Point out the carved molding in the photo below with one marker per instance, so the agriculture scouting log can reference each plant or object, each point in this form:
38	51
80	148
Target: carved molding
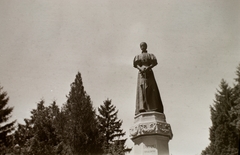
160	128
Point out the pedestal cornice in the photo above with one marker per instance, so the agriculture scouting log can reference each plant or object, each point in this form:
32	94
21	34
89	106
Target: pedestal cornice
150	123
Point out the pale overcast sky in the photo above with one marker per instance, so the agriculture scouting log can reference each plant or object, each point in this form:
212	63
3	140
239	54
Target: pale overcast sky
43	44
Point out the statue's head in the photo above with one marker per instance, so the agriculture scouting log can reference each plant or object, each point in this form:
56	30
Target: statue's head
143	46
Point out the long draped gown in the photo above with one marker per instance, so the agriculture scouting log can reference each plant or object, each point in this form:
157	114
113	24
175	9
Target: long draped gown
148	96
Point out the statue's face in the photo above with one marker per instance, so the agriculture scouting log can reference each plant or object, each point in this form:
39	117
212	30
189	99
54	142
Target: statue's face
143	46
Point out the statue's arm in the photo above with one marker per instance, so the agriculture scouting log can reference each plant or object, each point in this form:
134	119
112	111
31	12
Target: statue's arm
144	68
136	64
139	68
149	67
152	65
153	62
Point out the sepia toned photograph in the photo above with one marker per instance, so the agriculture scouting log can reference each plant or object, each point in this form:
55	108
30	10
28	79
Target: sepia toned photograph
119	77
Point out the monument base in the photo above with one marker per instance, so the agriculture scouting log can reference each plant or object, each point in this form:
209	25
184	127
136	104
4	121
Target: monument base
150	134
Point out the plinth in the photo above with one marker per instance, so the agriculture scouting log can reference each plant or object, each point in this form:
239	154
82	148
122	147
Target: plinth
150	134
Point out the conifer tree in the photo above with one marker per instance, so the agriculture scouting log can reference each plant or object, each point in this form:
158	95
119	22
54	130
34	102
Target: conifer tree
45	138
235	111
23	134
222	134
110	127
39	136
5	114
81	133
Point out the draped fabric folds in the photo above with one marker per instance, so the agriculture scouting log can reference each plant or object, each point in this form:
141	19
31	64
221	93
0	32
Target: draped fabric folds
148	96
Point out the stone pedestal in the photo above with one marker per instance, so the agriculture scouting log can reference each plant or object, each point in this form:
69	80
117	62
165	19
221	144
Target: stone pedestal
150	134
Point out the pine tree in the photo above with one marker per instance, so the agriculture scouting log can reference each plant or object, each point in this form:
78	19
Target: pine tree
45	138
23	134
222	134
235	111
81	133
110	127
39	136
5	127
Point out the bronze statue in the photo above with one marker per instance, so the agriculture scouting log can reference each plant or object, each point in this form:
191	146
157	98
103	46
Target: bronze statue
148	96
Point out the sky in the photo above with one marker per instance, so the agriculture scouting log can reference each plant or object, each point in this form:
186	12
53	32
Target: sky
43	44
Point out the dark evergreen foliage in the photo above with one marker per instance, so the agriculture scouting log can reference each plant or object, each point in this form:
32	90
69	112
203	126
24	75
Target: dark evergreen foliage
5	127
110	127
80	130
39	136
23	134
225	116
235	111
73	130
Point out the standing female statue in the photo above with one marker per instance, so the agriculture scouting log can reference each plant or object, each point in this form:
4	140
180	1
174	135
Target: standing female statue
148	96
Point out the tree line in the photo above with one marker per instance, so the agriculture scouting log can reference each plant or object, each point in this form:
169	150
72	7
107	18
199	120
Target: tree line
73	129
225	116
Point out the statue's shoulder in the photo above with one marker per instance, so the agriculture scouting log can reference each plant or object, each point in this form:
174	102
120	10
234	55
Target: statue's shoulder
151	56
138	57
